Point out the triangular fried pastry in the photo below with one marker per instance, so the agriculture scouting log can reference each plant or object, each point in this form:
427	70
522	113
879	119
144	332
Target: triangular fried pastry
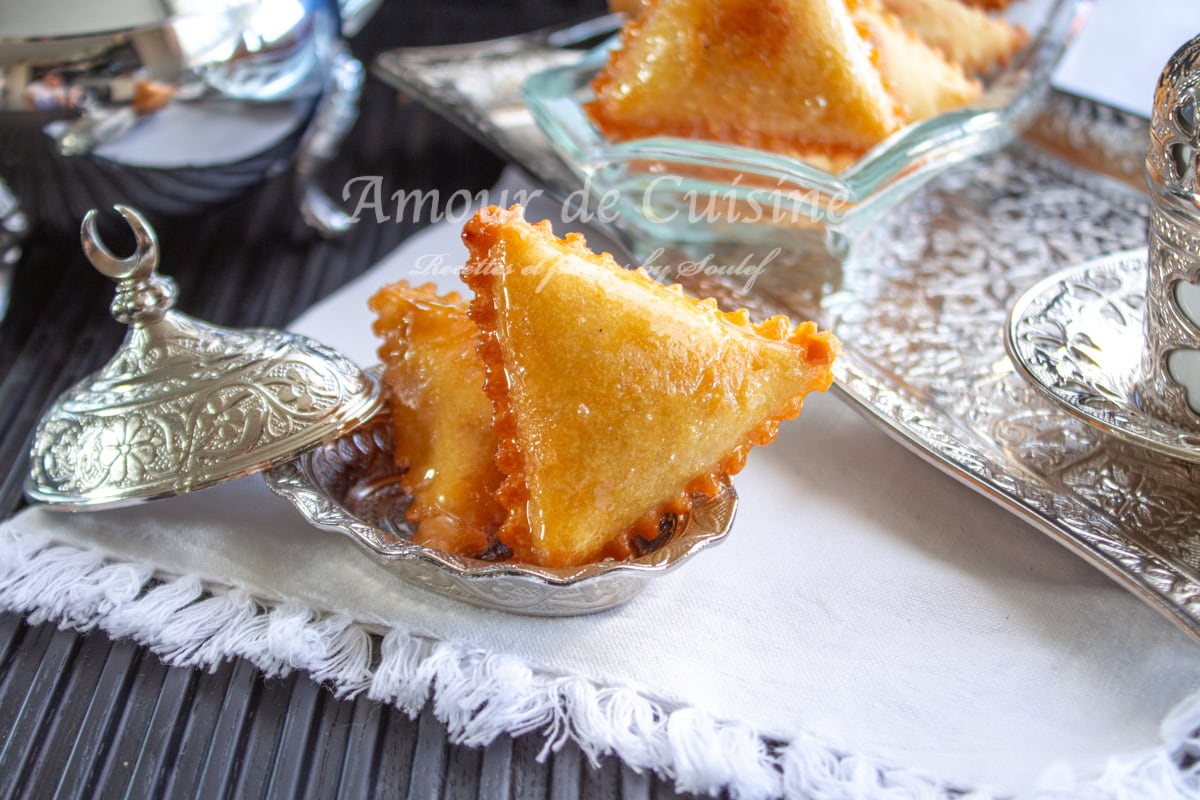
441	419
966	35
792	76
918	76
617	398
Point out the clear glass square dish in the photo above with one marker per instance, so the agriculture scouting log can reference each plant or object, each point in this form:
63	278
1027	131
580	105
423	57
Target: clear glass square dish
668	189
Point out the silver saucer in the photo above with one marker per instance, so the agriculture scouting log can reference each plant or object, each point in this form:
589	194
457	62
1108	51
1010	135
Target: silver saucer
352	486
1077	336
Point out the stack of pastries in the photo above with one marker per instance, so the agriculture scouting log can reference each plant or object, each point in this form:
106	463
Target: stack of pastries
820	80
560	414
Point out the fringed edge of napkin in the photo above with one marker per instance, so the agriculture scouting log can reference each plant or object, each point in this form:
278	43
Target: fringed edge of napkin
480	696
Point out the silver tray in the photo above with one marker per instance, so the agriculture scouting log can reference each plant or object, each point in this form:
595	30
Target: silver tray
921	304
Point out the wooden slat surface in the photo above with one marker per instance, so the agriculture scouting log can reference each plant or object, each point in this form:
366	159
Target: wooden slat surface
81	715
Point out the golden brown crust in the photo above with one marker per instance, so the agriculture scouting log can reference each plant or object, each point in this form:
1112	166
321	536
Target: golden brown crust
920	77
707	391
967	36
822	81
441	419
774	75
512	492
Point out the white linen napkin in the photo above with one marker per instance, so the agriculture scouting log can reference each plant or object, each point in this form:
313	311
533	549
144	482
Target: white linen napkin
893	629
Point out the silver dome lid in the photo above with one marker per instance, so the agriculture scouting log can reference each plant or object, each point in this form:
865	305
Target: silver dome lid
184	405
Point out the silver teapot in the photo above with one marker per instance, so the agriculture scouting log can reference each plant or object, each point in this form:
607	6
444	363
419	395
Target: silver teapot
172	105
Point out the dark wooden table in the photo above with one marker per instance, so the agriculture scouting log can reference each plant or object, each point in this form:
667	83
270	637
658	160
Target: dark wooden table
81	714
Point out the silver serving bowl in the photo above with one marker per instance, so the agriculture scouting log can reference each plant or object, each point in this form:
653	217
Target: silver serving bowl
352	486
171	106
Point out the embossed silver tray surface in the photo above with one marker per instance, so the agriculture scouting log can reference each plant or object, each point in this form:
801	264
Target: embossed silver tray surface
351	486
921	304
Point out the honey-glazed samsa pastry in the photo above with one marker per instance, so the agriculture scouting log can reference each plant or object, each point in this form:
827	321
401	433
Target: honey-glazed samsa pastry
617	398
791	76
969	37
441	419
919	77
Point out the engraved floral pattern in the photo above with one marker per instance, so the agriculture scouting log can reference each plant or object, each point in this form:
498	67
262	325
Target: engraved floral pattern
228	421
128	449
185	404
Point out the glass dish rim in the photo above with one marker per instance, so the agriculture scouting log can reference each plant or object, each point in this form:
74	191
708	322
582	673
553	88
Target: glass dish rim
899	163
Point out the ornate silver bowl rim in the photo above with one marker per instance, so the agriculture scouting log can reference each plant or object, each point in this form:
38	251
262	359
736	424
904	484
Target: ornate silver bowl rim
351	486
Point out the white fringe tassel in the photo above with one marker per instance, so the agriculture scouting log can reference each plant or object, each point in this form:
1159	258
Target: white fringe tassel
480	696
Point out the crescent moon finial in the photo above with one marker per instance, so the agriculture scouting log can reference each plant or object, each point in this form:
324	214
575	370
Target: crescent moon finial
138	266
